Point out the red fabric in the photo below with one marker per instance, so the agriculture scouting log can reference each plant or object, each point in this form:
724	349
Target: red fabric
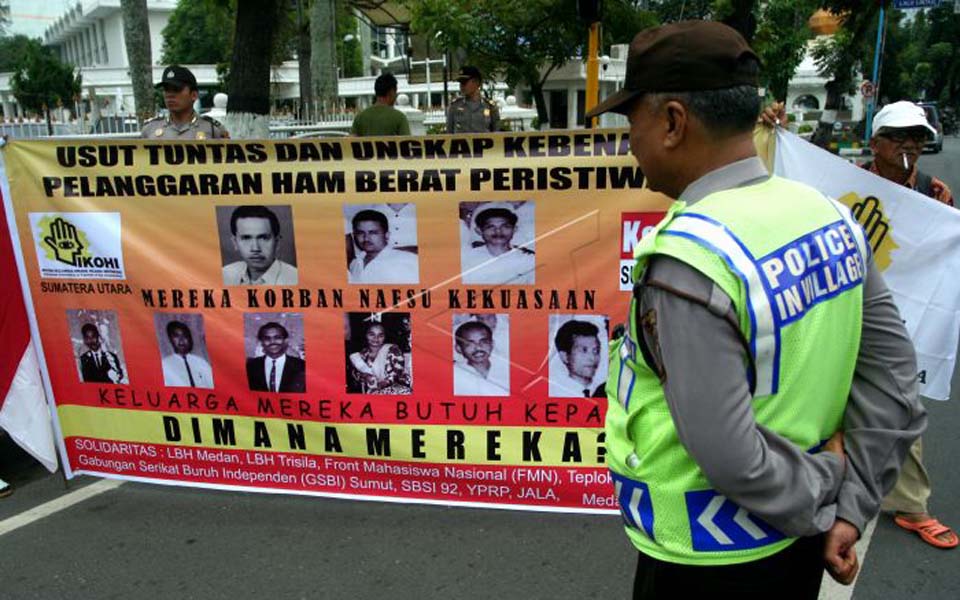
14	327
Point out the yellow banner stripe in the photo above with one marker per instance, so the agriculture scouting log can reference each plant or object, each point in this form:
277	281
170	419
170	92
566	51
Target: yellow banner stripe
454	444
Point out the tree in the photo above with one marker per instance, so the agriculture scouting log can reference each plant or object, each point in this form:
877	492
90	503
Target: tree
837	57
136	35
13	52
781	41
521	41
199	32
4	17
669	11
41	82
323	53
248	107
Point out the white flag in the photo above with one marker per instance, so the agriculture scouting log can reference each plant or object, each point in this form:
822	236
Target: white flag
916	244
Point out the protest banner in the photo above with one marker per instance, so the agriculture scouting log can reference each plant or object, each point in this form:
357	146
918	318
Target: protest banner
406	319
915	242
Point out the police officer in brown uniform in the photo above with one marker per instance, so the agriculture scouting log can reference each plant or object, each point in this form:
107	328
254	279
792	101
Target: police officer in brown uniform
472	113
183	123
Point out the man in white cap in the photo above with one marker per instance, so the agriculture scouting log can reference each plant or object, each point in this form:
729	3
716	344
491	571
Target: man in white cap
899	132
497	260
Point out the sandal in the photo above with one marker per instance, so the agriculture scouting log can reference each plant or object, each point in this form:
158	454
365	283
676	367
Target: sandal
928	531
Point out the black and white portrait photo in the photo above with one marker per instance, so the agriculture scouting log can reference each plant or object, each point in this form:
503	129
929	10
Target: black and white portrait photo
257	245
578	356
381	241
95	335
275	352
497	243
481	354
183	350
378	352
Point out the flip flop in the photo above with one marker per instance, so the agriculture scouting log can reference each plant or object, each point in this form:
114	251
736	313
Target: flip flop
928	531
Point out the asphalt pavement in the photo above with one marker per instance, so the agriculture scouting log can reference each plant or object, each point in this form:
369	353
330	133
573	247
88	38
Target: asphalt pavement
137	540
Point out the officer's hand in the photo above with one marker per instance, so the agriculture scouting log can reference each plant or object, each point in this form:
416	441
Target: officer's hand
835	445
839	554
773	115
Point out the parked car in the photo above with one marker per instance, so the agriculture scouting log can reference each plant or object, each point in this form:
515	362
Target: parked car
933	117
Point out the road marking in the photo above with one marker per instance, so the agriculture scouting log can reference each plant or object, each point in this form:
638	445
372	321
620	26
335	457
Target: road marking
830	589
54	506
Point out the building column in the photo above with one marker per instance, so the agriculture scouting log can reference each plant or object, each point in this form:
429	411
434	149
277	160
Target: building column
7	108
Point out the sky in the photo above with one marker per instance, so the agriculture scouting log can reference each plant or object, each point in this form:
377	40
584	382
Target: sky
32	17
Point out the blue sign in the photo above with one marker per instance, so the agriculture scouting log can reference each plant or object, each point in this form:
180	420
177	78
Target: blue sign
916	3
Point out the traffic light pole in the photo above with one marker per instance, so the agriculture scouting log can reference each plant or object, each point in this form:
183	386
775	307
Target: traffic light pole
877	54
593	71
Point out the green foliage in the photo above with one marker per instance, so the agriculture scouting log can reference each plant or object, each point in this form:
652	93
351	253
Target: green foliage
199	32
40	81
13	51
622	20
4	17
669	11
350	53
781	41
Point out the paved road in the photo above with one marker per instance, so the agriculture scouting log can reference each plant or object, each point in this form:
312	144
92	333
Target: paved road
167	542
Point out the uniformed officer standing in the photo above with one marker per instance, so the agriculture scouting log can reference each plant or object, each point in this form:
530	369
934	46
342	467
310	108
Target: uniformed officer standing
182	123
758	329
472	113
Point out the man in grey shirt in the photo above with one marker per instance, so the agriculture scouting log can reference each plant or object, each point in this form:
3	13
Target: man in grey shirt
691	145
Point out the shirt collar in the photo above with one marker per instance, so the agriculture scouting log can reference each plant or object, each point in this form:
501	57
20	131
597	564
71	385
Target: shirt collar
736	174
911	181
269	276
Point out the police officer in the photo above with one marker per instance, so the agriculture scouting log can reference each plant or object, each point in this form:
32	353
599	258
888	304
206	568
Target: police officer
758	327
472	113
182	123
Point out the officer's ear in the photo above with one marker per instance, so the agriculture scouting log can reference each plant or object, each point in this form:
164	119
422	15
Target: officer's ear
194	94
677	120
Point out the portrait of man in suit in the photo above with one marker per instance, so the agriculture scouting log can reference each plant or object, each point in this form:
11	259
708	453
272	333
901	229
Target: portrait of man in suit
96	364
276	371
183	367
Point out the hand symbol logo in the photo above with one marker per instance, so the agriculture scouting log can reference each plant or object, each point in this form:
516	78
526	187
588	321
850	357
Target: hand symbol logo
64	241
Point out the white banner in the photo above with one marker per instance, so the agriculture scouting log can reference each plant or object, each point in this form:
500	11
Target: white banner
916	244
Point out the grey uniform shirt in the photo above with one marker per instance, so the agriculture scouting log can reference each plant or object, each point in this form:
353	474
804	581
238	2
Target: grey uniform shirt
198	128
696	344
472	116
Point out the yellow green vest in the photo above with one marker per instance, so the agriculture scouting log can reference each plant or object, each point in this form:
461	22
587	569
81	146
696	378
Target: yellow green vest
793	263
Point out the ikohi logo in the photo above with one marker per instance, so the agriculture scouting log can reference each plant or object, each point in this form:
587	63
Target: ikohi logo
870	214
78	245
65	243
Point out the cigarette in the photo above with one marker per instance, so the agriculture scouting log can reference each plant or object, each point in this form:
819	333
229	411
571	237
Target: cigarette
906	165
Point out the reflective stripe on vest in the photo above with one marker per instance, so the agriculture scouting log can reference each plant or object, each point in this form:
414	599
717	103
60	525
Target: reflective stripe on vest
764	336
626	376
636	508
720	525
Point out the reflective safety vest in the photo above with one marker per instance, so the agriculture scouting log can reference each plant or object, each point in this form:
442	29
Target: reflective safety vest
793	263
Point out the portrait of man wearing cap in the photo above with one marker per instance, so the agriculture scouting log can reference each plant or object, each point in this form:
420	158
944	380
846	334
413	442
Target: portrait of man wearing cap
371	257
182	121
471	112
750	443
504	253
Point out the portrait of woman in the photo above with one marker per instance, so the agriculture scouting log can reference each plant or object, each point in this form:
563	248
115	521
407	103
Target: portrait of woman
377	361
